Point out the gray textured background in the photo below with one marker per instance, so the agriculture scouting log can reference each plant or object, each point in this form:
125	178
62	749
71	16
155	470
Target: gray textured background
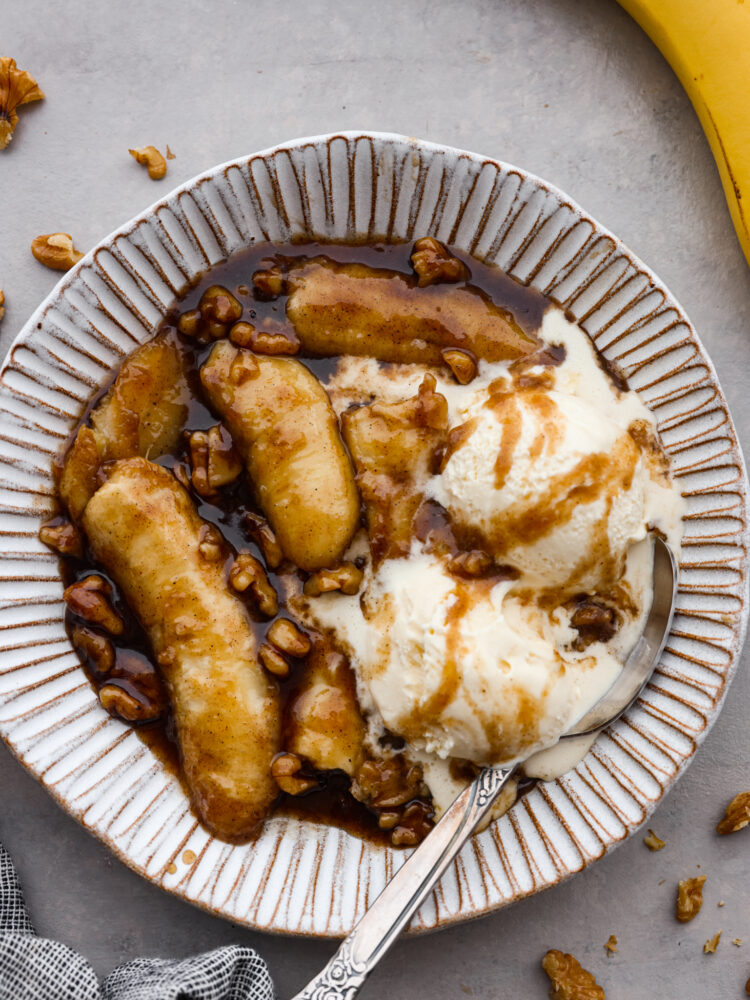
569	89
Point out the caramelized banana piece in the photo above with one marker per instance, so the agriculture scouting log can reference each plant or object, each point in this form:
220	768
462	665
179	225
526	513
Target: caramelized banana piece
142	414
283	425
324	724
354	309
142	527
393	446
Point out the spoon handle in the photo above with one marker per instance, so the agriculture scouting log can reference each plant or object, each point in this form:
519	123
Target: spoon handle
345	974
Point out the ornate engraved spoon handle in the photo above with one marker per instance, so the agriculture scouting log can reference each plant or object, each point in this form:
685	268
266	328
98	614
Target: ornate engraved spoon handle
345	974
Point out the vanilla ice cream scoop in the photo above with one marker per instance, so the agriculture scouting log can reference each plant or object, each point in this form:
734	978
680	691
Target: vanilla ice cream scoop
554	486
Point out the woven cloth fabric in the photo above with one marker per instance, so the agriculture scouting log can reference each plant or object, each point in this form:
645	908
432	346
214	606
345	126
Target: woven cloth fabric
33	968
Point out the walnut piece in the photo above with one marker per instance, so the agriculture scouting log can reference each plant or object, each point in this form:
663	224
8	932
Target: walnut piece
149	156
270	282
2	303
569	980
56	251
214	461
248	574
289	638
347	578
689	898
265	539
96	650
654	843
17	87
461	363
62	536
474	563
287	771
611	945
413	825
189	322
709	948
388	782
737	815
170	154
210	543
434	264
273	661
90	599
121	704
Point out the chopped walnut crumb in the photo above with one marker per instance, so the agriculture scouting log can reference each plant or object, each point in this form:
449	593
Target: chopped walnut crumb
737	942
461	363
2	303
270	282
149	156
289	638
736	816
90	600
709	948
434	264
62	536
652	842
124	705
720	903
170	154
214	461
17	87
288	773
347	578
56	251
273	661
413	825
689	898
611	945
265	539
247	574
569	980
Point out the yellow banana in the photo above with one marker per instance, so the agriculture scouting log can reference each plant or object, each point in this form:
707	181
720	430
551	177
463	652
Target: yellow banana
707	44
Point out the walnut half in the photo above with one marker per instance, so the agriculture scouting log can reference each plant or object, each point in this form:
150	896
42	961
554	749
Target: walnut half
737	815
569	980
288	773
17	87
214	461
247	574
90	599
689	898
56	251
434	264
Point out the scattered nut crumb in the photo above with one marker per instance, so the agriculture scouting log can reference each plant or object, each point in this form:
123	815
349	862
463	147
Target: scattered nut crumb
569	980
273	661
123	705
737	815
736	942
347	578
2	303
288	638
171	868
149	156
170	154
661	881
461	363
189	857
434	264
720	903
265	539
248	574
747	987
689	898
654	843
17	87
270	283
90	599
287	771
709	948
56	251
611	945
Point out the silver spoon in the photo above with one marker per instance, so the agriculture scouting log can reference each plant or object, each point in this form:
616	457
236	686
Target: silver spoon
361	951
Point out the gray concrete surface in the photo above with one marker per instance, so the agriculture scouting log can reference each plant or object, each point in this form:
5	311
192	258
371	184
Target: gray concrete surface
570	89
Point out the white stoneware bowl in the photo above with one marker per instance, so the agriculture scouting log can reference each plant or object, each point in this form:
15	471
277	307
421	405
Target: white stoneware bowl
304	878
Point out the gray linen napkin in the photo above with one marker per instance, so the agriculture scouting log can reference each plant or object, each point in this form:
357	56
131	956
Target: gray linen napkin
33	968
